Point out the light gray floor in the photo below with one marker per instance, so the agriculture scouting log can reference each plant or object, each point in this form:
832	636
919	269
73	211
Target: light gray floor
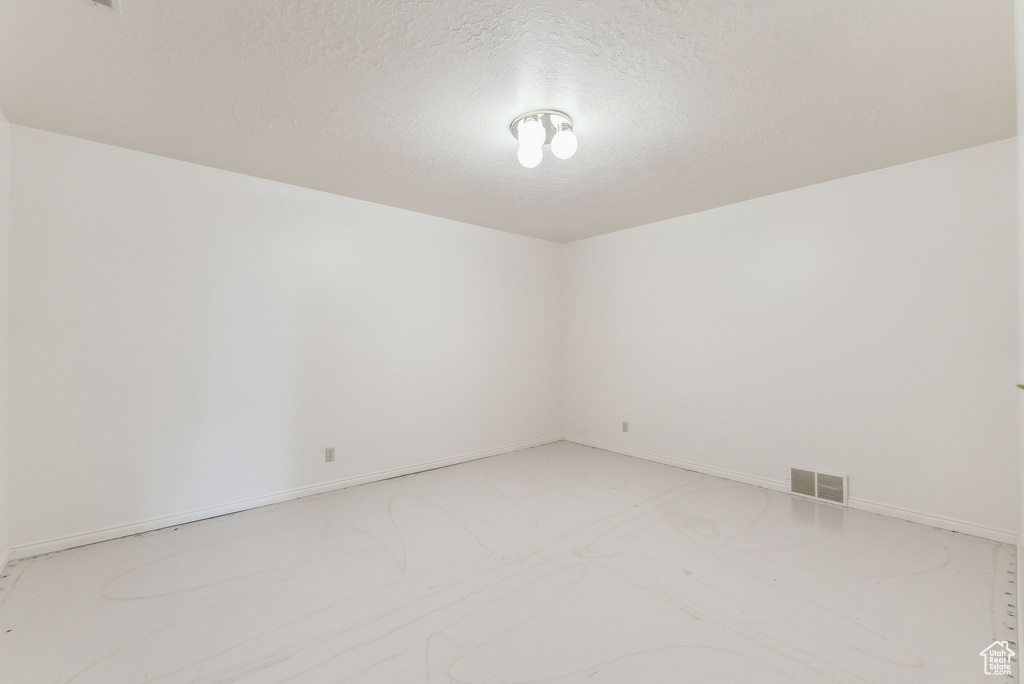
560	564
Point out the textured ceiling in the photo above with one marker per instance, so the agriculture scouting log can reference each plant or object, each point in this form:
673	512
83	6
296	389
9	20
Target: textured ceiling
680	106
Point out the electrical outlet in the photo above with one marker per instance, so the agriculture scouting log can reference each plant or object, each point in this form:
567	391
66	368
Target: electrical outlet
330	454
625	426
112	4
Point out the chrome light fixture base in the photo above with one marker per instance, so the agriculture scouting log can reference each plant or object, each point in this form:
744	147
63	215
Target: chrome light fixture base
551	119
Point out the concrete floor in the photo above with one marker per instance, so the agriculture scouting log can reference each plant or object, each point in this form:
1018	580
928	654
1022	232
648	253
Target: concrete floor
560	564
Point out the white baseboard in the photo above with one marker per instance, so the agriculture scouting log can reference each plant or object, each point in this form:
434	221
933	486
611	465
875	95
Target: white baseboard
776	485
5	556
952	524
148	525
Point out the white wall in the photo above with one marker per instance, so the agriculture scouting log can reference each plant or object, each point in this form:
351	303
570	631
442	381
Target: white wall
863	326
185	337
186	341
1019	50
5	205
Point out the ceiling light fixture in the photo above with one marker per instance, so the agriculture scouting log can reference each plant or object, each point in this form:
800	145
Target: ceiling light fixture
543	127
564	144
530	156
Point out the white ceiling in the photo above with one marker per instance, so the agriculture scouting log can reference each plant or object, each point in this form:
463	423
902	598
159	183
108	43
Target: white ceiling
680	106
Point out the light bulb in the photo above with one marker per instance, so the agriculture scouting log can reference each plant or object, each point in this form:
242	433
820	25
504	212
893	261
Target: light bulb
564	144
531	132
530	156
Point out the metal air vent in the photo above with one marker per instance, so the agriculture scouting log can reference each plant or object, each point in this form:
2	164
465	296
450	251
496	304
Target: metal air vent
832	488
802	481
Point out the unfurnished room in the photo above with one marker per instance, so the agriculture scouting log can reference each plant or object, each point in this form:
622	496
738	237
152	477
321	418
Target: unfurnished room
510	341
